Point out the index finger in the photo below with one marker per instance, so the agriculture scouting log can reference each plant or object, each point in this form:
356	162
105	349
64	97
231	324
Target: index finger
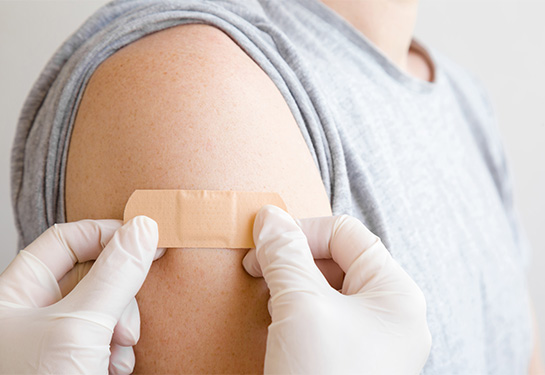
63	245
341	238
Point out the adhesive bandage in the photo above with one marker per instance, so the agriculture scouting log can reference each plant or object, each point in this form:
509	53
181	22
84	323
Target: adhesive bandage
201	218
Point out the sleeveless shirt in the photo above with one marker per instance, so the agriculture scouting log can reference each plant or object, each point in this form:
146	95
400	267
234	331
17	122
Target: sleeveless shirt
420	163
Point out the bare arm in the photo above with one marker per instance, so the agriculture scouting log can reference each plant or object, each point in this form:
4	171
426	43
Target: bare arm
186	108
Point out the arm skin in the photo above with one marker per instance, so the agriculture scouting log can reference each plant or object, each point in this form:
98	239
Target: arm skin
186	108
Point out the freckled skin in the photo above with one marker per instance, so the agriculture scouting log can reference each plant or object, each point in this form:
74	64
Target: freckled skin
214	121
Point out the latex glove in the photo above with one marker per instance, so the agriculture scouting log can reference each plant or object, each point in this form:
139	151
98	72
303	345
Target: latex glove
42	332
375	325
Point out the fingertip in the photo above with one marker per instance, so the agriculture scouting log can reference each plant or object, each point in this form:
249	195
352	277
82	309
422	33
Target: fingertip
147	229
349	239
269	210
272	219
262	213
144	221
127	329
159	253
251	265
281	249
122	360
260	218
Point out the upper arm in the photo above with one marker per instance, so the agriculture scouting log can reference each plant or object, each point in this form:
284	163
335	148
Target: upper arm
186	108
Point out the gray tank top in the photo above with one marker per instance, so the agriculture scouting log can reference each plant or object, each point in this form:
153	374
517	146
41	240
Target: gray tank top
420	163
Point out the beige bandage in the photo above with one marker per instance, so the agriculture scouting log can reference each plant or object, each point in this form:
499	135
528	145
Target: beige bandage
201	218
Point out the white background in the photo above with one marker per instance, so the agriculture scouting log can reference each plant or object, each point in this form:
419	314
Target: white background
503	42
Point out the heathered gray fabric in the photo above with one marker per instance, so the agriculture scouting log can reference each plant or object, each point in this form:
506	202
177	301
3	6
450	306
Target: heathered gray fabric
420	163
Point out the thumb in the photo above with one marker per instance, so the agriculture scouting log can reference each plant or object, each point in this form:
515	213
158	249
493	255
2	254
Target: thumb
282	254
118	273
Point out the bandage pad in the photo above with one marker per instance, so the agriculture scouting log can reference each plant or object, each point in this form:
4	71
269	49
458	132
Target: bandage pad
201	218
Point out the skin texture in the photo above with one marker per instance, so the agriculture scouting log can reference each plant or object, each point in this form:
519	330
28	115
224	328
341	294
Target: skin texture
186	108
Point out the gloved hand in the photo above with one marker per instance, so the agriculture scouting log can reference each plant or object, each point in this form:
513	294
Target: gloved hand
375	325
42	332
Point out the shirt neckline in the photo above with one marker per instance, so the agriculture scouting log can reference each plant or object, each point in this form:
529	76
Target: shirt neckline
362	41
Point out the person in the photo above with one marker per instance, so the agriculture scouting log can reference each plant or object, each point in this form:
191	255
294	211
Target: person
315	329
315	100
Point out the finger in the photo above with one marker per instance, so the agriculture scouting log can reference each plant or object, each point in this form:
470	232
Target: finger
122	360
341	238
76	274
251	265
118	273
331	270
48	258
374	270
283	253
366	261
160	252
318	231
127	329
63	245
28	282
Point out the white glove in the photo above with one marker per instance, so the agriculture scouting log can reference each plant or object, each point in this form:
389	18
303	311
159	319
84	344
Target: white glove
42	332
375	325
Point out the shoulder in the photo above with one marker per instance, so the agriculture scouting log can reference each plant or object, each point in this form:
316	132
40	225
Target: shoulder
191	50
185	108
